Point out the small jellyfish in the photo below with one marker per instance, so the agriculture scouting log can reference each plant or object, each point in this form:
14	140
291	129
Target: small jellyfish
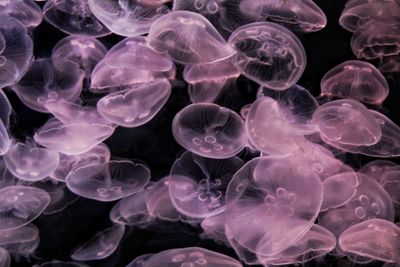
197	185
188	38
390	181
19	205
73	138
31	163
127	17
139	261
209	130
137	105
357	80
21	241
298	15
347	122
377	168
376	239
47	80
268	54
84	51
25	11
191	256
5	141
74	17
129	62
16	50
110	181
267	210
101	246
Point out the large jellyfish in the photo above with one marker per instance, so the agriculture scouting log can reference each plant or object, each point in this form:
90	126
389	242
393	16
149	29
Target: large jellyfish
20	241
25	11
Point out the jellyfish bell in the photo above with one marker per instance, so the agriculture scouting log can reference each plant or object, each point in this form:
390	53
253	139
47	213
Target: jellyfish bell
268	54
139	261
25	11
22	241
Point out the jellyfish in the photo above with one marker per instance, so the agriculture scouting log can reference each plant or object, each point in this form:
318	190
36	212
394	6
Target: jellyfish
370	201
101	246
20	205
16	50
74	17
21	241
139	261
376	239
390	181
46	80
191	256
56	263
5	141
137	105
267	211
5	259
357	80
31	163
188	38
268	54
25	11
298	15
197	185
6	177
376	168
109	181
84	51
129	62
347	122
209	130
5	109
127	17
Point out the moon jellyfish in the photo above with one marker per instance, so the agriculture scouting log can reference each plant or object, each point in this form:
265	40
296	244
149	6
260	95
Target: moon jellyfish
269	129
98	154
299	15
25	11
197	185
271	204
357	80
139	261
5	141
209	130
377	168
268	54
84	51
127	17
5	109
129	62
31	163
20	241
192	256
339	189
315	243
19	205
347	122
110	181
46	79
390	181
101	246
73	17
370	201
137	105
73	138
188	38
16	50
5	259
375	238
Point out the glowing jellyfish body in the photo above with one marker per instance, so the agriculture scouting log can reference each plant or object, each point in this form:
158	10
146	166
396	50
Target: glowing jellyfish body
46	80
347	122
16	50
271	204
101	246
188	38
20	241
129	62
127	17
73	17
31	163
137	105
110	181
25	11
209	130
377	168
19	205
390	181
356	80
300	15
84	51
139	261
5	141
268	54
376	239
192	256
197	185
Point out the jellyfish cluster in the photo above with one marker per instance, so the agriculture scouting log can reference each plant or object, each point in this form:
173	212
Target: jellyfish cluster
188	133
